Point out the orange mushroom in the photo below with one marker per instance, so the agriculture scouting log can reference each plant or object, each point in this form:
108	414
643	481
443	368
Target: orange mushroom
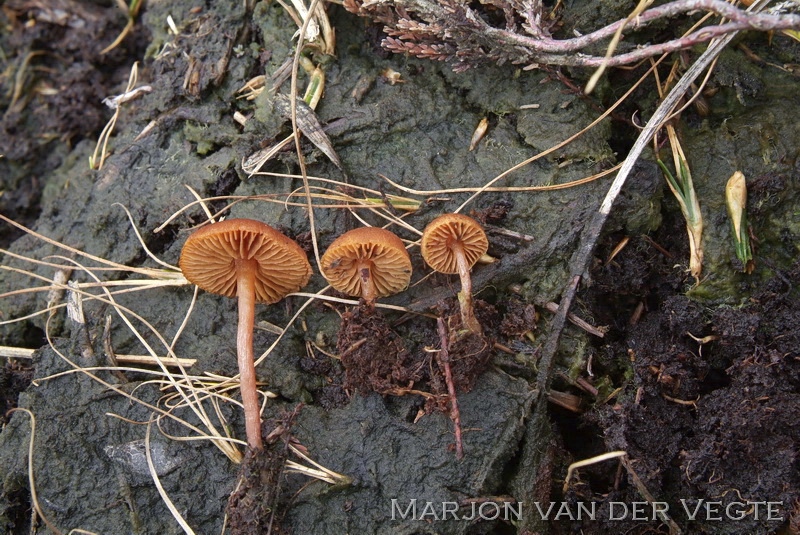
368	262
451	244
254	262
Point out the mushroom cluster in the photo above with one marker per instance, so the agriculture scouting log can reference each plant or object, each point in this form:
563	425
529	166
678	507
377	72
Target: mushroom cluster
255	263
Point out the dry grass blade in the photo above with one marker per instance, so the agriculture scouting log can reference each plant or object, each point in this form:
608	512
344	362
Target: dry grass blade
107	297
506	189
300	158
31	481
253	163
674	529
105	135
197	408
586	462
348	301
612	46
318	472
567	141
131	12
164	496
335	182
202	204
19	80
56	285
155	273
221	442
142	243
342	201
310	127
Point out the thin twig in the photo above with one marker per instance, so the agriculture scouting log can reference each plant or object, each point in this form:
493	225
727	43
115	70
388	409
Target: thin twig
457	32
583	324
443	357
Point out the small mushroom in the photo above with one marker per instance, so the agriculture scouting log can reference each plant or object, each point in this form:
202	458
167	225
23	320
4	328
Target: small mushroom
252	261
452	243
368	262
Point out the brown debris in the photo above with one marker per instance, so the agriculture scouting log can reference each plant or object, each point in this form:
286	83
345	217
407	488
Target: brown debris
495	213
520	318
374	357
253	507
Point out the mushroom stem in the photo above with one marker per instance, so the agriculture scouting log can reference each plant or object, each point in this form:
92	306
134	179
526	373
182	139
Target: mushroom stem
246	291
468	318
368	291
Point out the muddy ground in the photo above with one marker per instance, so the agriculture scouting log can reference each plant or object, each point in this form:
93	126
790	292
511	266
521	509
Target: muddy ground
699	384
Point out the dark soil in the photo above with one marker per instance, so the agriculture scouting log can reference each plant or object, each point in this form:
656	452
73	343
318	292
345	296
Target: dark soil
258	504
712	420
253	506
519	319
373	356
15	376
60	83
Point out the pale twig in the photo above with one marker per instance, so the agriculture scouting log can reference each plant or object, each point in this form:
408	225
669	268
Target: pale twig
16	352
583	324
26	353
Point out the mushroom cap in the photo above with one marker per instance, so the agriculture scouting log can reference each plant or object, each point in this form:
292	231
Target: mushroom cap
390	264
209	257
447	229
